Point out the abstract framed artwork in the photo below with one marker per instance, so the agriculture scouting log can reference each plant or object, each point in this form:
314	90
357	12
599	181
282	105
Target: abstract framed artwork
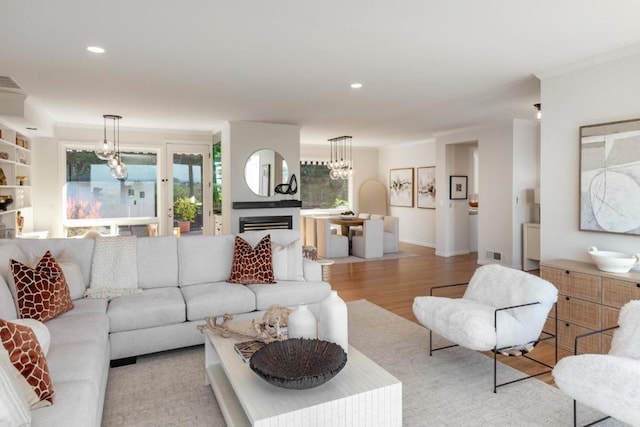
610	177
458	187
426	187
401	187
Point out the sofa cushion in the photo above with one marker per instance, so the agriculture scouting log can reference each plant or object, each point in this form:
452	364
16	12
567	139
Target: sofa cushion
78	361
204	259
7	304
152	307
157	262
216	299
8	252
87	306
42	292
79	328
252	264
289	293
26	355
77	405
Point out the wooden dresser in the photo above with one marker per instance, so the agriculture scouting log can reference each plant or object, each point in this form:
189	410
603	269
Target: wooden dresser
588	300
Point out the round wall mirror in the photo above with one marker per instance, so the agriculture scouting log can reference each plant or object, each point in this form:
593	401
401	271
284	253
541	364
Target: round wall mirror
264	170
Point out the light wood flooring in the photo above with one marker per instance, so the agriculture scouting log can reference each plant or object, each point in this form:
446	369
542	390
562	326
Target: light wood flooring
394	283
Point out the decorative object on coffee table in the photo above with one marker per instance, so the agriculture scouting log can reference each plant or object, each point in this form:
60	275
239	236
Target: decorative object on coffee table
267	330
333	321
298	363
302	323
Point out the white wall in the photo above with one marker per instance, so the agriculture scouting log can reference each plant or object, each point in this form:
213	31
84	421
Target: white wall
598	94
417	226
501	146
239	141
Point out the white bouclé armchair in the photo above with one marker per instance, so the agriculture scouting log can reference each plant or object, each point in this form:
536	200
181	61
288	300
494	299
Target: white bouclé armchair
503	310
609	382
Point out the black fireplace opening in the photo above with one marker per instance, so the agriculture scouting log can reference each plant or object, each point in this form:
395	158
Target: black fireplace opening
254	223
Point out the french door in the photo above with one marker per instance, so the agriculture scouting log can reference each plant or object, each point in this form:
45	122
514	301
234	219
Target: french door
188	190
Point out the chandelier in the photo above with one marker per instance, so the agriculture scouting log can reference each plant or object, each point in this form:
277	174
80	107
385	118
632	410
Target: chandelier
110	150
341	163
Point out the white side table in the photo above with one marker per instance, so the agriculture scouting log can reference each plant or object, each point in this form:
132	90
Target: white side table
326	269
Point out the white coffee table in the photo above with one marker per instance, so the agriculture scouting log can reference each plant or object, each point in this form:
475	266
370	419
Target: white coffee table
362	394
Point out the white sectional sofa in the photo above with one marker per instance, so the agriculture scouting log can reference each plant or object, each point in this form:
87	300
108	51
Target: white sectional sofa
183	280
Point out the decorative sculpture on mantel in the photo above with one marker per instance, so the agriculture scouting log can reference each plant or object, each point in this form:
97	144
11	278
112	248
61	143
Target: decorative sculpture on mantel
289	188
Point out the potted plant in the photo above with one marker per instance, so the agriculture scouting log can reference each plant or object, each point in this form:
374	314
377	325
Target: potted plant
184	210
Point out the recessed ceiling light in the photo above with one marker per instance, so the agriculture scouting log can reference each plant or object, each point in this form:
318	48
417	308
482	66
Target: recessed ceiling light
356	85
95	49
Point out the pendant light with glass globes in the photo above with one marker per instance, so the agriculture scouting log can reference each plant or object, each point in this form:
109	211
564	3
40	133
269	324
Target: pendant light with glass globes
110	150
341	163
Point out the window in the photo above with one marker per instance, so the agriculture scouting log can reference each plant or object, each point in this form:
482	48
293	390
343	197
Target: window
318	191
95	199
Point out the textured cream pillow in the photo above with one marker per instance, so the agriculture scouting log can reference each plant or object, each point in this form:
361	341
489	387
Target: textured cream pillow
15	394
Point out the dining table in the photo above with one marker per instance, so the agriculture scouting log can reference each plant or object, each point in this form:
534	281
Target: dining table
346	222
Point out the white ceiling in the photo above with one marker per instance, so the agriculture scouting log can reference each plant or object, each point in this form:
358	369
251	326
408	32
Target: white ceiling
427	65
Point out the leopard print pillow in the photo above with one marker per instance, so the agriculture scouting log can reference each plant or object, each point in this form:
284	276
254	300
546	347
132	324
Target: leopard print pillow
42	292
252	265
26	355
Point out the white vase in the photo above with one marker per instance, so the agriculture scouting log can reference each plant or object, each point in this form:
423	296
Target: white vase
333	321
302	323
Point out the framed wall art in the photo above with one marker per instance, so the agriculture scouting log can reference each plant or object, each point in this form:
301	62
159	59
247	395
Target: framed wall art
458	187
401	187
610	177
426	187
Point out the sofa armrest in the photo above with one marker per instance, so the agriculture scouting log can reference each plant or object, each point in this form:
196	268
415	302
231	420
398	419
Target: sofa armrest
311	270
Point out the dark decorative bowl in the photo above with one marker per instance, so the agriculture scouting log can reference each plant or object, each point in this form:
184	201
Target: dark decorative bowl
298	363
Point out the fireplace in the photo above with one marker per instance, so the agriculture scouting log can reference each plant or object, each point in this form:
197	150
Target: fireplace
253	223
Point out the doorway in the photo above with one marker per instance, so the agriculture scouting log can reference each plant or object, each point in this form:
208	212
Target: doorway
188	190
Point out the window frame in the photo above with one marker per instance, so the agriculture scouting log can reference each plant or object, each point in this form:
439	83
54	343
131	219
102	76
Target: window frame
112	223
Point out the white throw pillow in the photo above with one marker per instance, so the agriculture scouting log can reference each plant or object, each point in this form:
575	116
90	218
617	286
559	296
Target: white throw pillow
40	329
73	274
286	251
287	261
14	389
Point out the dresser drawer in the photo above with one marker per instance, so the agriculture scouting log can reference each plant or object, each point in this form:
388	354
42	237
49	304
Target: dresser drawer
609	318
617	293
580	312
567	333
580	285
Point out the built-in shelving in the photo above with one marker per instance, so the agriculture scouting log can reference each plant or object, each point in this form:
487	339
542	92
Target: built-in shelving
15	164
